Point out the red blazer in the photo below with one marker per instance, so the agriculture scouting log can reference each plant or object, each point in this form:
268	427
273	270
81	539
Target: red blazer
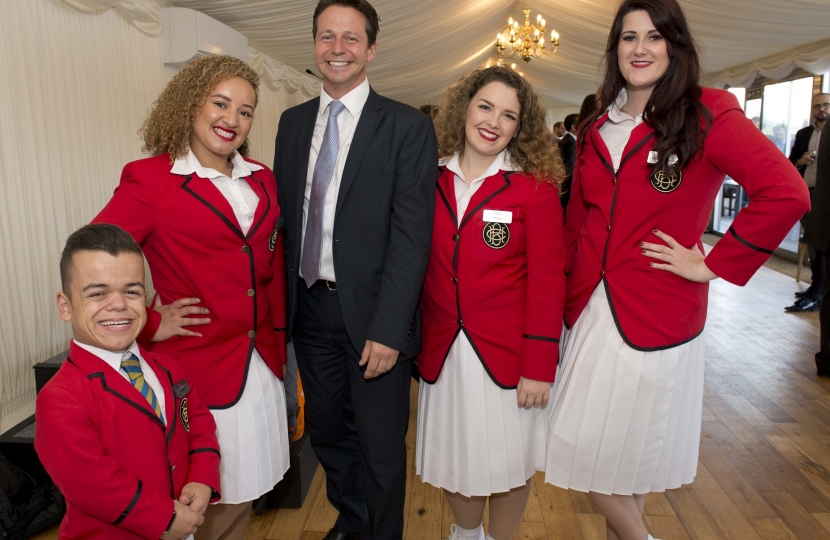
610	214
507	301
118	466
193	244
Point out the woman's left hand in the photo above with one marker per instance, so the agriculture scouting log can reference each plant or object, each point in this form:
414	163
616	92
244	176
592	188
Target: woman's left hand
531	393
687	263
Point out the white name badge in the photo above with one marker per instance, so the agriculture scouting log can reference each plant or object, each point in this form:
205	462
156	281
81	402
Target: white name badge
498	216
652	158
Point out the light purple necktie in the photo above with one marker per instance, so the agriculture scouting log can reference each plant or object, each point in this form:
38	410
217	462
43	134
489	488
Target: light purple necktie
323	171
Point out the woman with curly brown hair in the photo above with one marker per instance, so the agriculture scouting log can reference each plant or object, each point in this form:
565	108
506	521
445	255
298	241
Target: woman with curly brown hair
626	406
206	218
492	302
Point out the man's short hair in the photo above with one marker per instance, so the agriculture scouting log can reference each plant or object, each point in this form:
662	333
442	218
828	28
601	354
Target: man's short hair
570	120
557	124
364	7
105	237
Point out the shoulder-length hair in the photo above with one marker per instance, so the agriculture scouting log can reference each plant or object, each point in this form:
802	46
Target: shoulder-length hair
169	125
674	109
532	149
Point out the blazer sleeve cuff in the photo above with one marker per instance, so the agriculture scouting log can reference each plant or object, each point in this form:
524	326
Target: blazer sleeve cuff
540	355
150	328
736	259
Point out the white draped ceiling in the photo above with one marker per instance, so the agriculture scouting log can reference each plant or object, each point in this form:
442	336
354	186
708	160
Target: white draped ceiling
425	45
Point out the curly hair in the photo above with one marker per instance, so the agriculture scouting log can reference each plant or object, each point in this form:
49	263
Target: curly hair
532	149
169	124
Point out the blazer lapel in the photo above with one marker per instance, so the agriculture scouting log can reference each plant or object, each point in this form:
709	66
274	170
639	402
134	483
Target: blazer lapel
262	207
446	189
111	381
305	135
171	412
640	135
491	187
366	126
209	195
599	144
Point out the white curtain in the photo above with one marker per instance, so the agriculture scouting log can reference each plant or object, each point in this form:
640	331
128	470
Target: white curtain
76	86
814	58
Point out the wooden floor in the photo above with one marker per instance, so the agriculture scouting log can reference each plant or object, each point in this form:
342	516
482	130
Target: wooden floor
764	470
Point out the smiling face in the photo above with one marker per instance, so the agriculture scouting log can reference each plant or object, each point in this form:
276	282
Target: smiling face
342	50
223	122
643	57
492	120
104	299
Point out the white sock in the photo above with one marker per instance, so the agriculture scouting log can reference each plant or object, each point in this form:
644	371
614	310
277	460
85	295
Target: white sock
467	534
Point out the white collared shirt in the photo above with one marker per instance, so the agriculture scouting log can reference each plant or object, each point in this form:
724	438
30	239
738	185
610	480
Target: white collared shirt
464	191
617	130
239	194
113	360
346	123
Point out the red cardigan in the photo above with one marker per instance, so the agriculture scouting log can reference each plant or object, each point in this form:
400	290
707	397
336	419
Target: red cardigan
507	301
193	244
610	214
118	466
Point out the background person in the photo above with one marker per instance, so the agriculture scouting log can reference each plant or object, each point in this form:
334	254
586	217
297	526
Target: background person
207	220
567	149
492	302
626	406
118	424
356	175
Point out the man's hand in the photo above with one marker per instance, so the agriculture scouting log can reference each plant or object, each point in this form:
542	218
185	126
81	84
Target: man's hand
184	524
530	393
196	496
806	159
174	318
377	358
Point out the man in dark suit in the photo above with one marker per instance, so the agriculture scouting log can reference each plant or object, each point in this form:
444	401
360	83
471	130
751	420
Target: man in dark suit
820	239
567	149
803	156
356	177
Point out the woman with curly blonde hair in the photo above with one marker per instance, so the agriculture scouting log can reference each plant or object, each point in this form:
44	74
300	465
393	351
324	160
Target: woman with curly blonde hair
492	302
206	218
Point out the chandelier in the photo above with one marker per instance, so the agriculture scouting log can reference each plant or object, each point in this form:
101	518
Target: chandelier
526	41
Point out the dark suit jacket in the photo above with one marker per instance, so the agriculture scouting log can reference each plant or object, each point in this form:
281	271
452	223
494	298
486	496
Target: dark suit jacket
567	149
818	233
383	217
801	145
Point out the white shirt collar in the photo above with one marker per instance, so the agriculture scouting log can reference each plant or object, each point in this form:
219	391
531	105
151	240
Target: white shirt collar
189	164
615	113
500	163
112	358
354	100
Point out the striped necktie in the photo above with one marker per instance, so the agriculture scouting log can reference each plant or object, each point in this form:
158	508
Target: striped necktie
320	180
132	367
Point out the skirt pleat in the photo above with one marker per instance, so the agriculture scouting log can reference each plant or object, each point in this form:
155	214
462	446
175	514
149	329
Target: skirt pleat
473	438
623	421
253	437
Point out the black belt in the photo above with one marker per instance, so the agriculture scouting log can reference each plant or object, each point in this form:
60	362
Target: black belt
330	285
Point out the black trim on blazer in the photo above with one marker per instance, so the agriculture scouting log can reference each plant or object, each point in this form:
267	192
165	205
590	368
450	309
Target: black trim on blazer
541	338
636	147
130	506
447	203
600	154
103	381
256	225
468	214
625	338
212	208
454	337
483	363
280	329
200	450
749	244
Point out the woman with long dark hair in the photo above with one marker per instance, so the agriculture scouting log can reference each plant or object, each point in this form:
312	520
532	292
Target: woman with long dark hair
492	302
626	407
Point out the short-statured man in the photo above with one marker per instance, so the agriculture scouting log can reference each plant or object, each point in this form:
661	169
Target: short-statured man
119	429
356	177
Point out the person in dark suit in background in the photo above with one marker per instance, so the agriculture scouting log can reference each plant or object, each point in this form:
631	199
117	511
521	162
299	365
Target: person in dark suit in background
819	224
356	174
567	149
803	156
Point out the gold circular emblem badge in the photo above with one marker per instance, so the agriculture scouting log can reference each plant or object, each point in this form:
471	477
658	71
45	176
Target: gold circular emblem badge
183	415
496	235
272	241
666	183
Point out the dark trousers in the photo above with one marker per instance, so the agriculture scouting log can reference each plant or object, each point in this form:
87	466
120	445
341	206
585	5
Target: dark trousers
817	267
357	426
823	356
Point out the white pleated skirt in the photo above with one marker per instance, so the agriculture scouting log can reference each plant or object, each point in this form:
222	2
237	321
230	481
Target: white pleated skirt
473	438
623	421
253	437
